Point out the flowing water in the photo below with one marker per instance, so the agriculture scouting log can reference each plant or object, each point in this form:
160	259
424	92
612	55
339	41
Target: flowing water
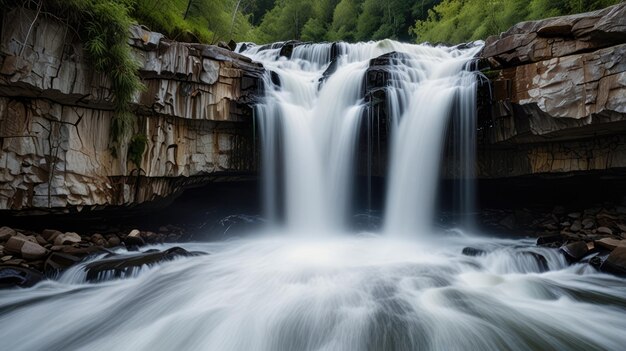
306	282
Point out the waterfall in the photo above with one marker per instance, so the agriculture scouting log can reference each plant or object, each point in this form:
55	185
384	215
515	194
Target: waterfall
314	107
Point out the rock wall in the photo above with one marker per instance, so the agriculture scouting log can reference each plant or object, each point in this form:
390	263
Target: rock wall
557	98
55	115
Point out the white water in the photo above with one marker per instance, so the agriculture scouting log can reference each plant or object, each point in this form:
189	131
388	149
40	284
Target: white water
302	290
341	293
318	124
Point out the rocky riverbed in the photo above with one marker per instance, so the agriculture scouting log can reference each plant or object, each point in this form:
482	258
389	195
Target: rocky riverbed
26	257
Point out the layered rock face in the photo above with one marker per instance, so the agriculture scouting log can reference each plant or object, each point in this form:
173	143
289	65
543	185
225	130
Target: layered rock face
558	96
56	111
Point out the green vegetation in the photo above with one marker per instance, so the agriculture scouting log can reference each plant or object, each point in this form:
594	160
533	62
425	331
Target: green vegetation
456	21
136	148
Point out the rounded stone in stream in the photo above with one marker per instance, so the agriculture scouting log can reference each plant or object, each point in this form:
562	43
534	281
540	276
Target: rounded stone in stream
616	262
471	251
575	251
11	277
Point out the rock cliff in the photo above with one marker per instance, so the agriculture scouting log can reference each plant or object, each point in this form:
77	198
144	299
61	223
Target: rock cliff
557	98
55	115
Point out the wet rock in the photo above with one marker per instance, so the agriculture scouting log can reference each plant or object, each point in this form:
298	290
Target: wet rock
574	252
616	262
605	230
471	251
130	241
58	262
6	233
67	238
118	267
113	241
610	243
11	277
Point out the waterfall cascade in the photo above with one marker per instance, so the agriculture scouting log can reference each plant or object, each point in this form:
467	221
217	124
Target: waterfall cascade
314	107
363	292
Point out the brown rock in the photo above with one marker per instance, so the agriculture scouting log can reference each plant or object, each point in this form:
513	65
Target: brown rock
98	239
5	258
67	238
50	234
575	251
616	262
134	233
610	243
14	245
605	230
114	241
32	251
40	240
6	233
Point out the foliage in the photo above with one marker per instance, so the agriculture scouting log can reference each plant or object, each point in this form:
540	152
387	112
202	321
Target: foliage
456	21
136	148
103	27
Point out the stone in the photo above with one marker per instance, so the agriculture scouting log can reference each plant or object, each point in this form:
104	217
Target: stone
67	238
14	245
471	251
605	230
622	227
574	215
58	262
576	226
575	251
113	241
98	239
588	223
50	234
116	267
32	251
40	240
616	262
11	277
130	241
6	233
6	258
134	233
610	243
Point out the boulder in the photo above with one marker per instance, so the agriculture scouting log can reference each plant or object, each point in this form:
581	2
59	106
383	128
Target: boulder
98	239
123	266
113	241
50	234
575	251
11	277
6	233
610	243
58	262
67	238
616	262
471	251
31	251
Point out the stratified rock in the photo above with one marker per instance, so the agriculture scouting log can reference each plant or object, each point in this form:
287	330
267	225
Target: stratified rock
118	267
11	277
56	112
